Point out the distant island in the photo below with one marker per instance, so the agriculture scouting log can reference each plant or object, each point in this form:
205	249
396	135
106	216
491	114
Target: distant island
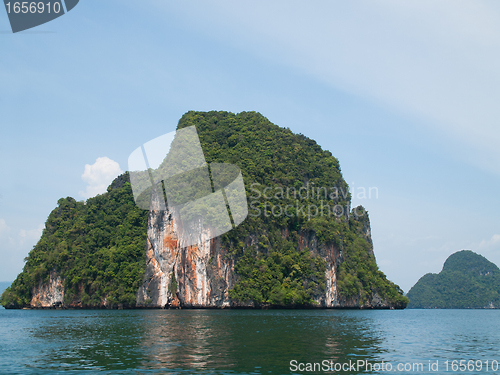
467	281
108	253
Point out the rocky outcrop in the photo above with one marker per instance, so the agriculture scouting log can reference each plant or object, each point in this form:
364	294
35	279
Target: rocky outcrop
331	255
201	275
98	245
197	276
50	294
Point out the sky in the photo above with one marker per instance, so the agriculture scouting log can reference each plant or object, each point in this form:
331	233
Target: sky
404	94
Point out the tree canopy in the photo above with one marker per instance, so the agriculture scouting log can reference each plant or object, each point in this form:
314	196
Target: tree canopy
467	281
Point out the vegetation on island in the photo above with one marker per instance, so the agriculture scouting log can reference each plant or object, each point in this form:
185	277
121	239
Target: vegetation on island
467	281
295	192
294	188
97	247
359	275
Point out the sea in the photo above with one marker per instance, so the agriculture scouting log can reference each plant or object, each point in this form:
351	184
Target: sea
249	341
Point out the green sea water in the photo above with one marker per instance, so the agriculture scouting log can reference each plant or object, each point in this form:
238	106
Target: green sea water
248	341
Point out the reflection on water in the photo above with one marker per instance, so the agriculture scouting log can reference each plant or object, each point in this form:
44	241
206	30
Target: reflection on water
251	340
94	340
237	341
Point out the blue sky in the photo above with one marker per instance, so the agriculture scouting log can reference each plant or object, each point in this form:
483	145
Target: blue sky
404	94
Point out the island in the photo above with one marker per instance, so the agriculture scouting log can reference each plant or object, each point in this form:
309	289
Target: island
301	246
467	281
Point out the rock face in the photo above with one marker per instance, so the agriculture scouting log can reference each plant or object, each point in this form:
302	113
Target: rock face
200	276
195	276
332	256
49	295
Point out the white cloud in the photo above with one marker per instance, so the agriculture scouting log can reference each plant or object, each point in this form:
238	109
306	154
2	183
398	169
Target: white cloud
6	234
4	228
15	244
30	236
434	60
491	244
24	236
99	175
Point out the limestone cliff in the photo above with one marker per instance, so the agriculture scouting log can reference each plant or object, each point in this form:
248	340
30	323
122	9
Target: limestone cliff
50	294
298	204
200	276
